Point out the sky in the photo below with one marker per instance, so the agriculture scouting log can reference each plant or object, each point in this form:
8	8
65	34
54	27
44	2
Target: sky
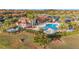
39	4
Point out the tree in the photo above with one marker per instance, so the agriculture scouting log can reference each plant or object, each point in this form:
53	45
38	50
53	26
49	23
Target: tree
41	38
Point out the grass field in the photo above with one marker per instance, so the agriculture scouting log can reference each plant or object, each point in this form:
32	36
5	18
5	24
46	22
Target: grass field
12	40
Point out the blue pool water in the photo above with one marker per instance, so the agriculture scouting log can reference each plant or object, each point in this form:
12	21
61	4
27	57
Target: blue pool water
52	26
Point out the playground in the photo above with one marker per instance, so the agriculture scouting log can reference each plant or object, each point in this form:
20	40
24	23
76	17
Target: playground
39	31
